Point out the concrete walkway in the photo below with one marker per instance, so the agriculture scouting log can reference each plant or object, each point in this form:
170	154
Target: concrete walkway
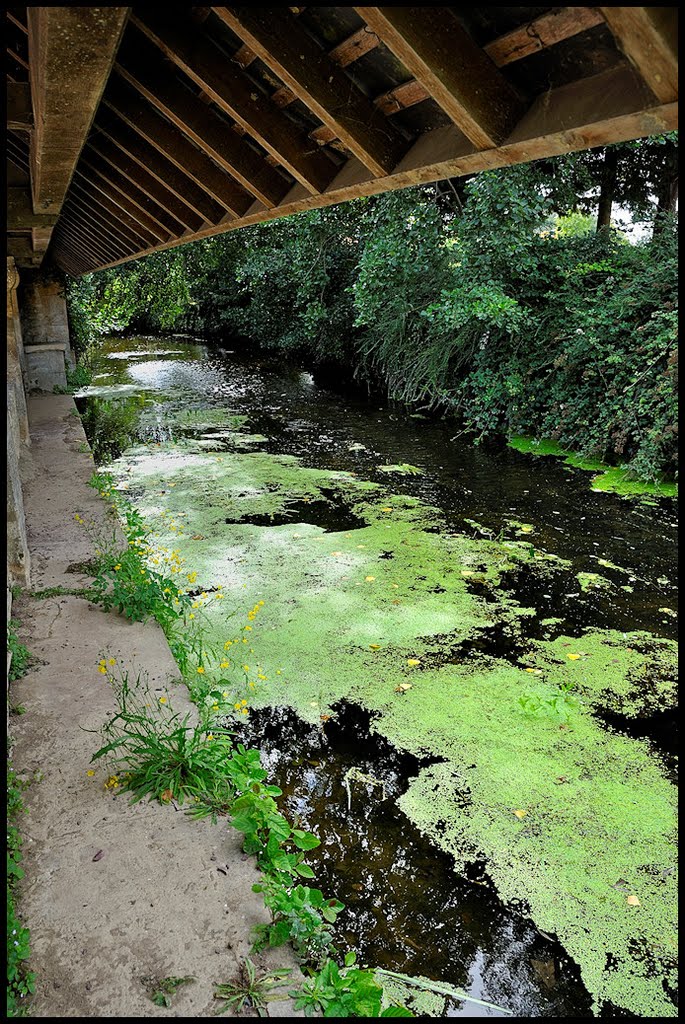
113	894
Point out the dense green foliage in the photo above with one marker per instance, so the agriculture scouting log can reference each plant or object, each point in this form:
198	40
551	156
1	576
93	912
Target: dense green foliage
488	306
20	981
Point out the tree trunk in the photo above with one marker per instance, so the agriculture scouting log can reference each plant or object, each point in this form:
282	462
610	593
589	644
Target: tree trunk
667	196
607	189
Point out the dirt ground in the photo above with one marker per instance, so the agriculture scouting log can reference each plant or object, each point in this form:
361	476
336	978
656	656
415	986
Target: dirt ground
114	894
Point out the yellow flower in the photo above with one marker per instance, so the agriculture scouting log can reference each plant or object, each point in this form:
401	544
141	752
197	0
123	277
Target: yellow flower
219	597
90	772
260	603
117	568
215	707
102	669
229	643
191	616
278	671
112	661
246	668
248	628
244	711
412	662
200	669
210	736
224	693
260	676
224	664
252	685
162	700
573	657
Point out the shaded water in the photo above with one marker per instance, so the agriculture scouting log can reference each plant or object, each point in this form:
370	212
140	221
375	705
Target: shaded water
407	910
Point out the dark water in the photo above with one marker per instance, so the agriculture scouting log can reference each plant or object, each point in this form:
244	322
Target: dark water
406	909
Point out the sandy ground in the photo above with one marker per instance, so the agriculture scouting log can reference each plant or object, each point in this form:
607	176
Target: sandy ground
113	894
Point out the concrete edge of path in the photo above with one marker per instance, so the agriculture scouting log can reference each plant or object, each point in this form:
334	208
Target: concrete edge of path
114	894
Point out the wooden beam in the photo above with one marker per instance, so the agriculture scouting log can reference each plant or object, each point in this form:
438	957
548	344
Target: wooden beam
174	145
141	64
121	199
19	109
648	36
113	216
553	27
20	215
314	78
17	57
441	55
402	96
71	52
614	106
40	238
163	169
355	46
90	242
15	21
193	51
170	224
145	181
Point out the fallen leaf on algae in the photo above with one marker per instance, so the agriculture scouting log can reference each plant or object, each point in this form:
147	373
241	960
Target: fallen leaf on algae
412	662
198	536
520	814
375	647
535	671
369	579
573	657
669	611
403	687
632	901
386	510
335	554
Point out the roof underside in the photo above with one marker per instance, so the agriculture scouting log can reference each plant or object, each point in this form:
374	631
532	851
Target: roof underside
137	129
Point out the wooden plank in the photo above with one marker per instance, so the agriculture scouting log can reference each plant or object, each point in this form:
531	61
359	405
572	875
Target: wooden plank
648	36
20	215
141	64
192	51
323	87
121	199
62	241
244	57
558	24
98	246
142	178
19	107
40	238
441	55
17	57
71	52
93	230
170	224
614	106
402	96
163	169
113	216
174	145
355	46
15	21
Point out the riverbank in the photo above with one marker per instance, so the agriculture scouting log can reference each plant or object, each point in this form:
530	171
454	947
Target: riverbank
115	896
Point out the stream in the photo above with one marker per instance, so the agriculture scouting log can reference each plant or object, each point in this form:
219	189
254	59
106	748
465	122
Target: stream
407	909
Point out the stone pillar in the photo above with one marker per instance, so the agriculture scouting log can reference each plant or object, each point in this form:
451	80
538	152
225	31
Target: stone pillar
45	329
16	359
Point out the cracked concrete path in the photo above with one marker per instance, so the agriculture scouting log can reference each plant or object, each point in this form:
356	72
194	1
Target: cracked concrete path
166	896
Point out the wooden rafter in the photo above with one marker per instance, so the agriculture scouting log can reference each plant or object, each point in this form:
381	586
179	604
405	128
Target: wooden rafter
145	181
553	27
172	225
120	198
175	146
648	37
108	210
459	76
274	35
162	168
141	65
192	51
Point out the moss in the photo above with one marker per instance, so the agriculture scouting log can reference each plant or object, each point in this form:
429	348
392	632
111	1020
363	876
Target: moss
382	614
616	479
593	581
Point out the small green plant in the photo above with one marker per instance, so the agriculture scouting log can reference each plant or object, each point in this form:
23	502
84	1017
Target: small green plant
344	992
20	981
162	991
558	705
79	376
250	990
21	656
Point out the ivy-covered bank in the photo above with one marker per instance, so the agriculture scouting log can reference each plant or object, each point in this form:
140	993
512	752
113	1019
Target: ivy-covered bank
485	301
393	612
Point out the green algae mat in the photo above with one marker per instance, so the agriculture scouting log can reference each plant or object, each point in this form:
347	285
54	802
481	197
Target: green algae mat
418	625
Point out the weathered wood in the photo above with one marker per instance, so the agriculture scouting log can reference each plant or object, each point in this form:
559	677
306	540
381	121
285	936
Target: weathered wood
244	57
314	78
119	198
12	53
19	107
558	24
355	46
71	52
95	232
648	36
141	64
142	178
402	96
20	215
173	144
459	76
15	21
600	110
170	224
40	238
192	51
111	214
163	169
93	243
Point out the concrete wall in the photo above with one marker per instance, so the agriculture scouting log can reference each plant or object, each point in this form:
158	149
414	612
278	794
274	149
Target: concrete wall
45	330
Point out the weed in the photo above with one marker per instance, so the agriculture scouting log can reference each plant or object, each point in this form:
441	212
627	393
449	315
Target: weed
250	990
558	705
21	656
20	981
344	992
162	991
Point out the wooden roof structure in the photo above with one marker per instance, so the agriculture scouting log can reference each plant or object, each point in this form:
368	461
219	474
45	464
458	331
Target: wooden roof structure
137	129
